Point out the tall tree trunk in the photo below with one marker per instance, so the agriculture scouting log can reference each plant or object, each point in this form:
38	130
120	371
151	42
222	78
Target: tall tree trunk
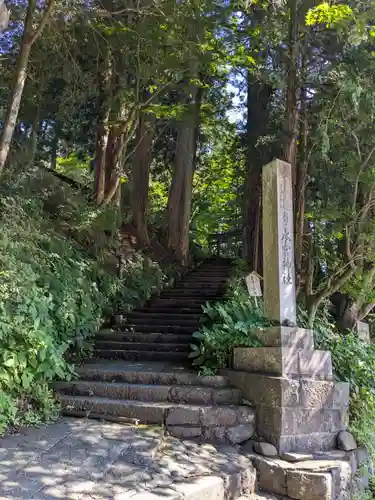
258	99
4	16
301	178
179	199
291	112
117	141
140	179
28	39
102	137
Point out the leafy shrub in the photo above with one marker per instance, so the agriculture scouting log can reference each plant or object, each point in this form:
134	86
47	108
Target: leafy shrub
354	362
53	296
228	324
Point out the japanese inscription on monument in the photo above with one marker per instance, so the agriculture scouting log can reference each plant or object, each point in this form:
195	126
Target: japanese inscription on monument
278	242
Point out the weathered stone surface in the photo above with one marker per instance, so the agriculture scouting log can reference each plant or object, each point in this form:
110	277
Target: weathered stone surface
271	474
278	248
183	415
272	360
316	393
226	396
182	432
240	433
309	485
330	455
204	488
181	394
346	441
315	364
306	443
266	390
283	336
340	397
265	449
219	415
296	457
342	475
214	433
288	362
245	415
273	422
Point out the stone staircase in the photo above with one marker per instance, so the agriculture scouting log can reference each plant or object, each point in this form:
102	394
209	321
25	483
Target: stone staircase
161	331
141	371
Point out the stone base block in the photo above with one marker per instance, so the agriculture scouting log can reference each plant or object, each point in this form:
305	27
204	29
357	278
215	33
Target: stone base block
306	443
280	391
308	480
294	421
284	336
284	361
295	414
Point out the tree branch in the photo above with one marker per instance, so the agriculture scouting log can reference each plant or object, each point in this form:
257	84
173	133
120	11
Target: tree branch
43	21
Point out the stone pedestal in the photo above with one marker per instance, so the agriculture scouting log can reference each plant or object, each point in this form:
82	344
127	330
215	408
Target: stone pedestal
298	406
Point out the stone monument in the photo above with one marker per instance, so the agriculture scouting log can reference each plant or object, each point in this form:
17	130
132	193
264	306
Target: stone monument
298	406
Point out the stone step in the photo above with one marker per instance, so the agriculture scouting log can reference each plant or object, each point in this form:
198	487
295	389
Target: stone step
196	285
178	303
156	393
204	280
163	318
133	355
210	422
308	480
188	295
141	346
147	328
149	375
106	335
154	308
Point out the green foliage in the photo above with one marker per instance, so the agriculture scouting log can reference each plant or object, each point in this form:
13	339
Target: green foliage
328	14
53	298
76	167
228	324
354	362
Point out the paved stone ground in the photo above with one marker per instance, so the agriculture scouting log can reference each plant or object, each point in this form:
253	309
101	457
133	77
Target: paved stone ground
80	459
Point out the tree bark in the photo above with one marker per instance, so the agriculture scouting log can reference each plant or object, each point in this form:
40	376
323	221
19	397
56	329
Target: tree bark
258	99
333	285
28	39
301	180
179	199
291	112
4	16
102	137
140	179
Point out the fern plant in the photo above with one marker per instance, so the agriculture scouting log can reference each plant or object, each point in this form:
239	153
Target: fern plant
227	324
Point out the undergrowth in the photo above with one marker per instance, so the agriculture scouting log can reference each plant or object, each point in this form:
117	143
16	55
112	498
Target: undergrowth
54	293
227	324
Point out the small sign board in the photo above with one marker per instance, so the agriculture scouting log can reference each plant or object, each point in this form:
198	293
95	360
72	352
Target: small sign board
363	331
253	284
